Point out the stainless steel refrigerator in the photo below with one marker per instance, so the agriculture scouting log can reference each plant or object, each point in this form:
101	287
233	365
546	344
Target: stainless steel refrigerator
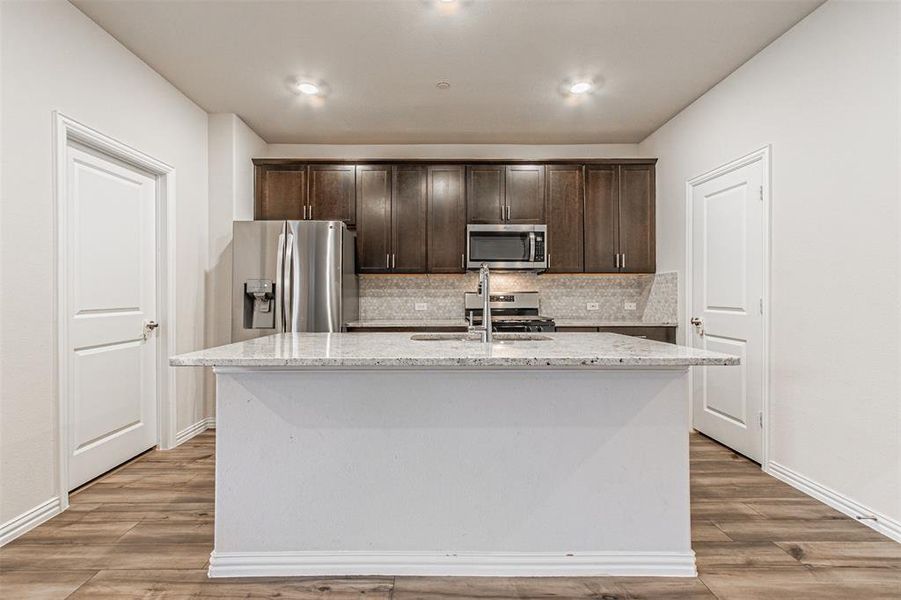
292	276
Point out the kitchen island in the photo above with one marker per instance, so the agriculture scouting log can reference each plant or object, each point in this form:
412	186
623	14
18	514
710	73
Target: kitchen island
400	454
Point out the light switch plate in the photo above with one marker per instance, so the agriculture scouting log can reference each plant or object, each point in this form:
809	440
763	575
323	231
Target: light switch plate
420	306
593	306
630	306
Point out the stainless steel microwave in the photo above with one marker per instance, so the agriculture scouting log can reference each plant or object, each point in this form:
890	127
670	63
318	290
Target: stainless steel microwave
507	246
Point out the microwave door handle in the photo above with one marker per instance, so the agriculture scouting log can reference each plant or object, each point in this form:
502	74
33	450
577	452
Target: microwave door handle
531	246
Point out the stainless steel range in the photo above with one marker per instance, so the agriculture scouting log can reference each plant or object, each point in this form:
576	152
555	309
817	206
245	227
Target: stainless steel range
510	311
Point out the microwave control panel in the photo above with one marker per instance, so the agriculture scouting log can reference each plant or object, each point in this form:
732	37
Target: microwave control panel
539	247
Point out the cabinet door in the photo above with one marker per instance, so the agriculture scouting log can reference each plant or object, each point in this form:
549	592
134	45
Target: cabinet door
601	219
408	219
485	197
447	219
564	218
373	219
281	193
637	229
331	193
525	194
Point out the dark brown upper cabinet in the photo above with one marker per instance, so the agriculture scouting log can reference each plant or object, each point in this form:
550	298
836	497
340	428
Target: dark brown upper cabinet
620	225
637	219
525	194
391	219
505	194
409	208
373	188
564	209
411	215
485	196
281	192
446	219
601	221
331	194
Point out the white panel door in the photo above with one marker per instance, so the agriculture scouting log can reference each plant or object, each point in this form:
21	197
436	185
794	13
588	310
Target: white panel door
727	306
111	304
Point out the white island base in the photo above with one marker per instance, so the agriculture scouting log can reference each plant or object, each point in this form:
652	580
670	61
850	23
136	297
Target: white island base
452	471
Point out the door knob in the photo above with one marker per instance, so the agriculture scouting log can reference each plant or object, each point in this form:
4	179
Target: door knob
149	326
699	324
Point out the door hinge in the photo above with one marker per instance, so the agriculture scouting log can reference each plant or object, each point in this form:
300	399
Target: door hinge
760	419
761	193
761	306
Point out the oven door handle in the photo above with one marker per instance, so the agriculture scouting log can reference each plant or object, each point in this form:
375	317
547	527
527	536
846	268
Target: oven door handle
531	246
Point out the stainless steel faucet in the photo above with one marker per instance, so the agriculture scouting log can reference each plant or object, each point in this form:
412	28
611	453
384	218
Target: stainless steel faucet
485	289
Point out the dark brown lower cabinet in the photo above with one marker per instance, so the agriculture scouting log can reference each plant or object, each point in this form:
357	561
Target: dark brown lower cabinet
447	219
564	211
657	333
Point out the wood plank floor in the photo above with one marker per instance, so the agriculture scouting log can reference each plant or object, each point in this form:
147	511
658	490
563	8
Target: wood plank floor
146	531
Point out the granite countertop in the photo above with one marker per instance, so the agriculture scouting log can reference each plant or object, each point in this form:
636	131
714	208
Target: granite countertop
427	323
603	323
360	350
424	324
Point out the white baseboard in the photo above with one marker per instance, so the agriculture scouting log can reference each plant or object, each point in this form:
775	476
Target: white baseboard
488	564
28	520
191	430
882	523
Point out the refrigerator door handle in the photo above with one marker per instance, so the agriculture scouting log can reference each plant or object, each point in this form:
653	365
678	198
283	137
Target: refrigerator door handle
288	285
280	278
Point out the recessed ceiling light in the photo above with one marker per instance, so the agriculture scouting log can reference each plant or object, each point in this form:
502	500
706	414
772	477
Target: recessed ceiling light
580	87
445	1
442	85
310	89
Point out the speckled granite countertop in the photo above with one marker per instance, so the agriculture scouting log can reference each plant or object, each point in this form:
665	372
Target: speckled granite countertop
360	350
426	324
602	323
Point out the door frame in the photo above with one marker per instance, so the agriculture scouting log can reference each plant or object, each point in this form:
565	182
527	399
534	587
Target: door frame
65	131
763	155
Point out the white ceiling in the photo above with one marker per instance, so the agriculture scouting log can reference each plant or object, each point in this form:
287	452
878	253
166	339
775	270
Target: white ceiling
505	61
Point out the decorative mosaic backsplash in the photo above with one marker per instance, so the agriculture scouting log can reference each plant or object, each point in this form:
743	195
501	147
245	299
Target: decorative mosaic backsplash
562	296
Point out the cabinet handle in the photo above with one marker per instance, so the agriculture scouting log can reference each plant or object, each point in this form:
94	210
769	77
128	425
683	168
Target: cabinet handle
311	210
623	261
387	261
508	212
548	260
617	259
463	261
393	261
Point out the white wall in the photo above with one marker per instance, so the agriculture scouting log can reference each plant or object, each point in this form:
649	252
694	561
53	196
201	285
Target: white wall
826	97
452	151
55	58
232	145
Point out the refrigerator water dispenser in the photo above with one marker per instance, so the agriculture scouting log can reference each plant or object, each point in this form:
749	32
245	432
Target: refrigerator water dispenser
259	304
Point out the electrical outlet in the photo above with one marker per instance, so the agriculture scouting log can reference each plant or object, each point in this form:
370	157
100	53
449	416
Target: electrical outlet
420	306
630	306
593	306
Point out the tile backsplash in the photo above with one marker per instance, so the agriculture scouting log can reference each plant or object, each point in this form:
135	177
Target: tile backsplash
395	297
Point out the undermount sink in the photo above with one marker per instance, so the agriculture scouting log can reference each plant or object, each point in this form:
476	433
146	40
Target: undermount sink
503	338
